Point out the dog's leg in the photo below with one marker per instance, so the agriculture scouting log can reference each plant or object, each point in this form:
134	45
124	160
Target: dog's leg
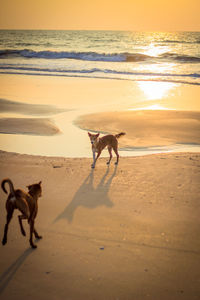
94	163
110	152
37	236
9	217
31	223
20	218
117	154
24	209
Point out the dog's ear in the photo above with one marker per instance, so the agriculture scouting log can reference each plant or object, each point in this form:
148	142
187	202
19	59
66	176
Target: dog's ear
97	134
89	134
40	182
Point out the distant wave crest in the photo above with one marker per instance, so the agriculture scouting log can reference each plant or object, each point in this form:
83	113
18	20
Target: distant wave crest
180	58
94	56
178	42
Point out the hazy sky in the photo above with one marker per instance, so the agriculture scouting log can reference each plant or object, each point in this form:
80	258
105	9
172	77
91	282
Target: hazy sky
160	15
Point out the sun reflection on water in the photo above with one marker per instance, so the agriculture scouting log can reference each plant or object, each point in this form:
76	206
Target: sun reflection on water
154	51
155	90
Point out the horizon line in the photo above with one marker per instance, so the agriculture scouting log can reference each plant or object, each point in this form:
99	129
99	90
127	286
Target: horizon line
127	30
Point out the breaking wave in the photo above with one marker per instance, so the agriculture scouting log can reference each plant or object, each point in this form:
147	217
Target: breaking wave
94	56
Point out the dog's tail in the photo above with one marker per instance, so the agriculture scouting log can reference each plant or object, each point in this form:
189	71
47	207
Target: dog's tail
119	135
7	180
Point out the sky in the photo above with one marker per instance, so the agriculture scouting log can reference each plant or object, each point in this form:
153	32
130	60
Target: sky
136	15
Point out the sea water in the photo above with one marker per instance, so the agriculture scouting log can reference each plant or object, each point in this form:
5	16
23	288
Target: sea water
173	57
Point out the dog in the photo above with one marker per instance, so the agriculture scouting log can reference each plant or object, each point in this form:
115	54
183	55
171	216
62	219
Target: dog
98	144
26	203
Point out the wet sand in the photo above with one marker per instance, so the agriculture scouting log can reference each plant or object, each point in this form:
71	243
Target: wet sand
57	103
146	128
29	126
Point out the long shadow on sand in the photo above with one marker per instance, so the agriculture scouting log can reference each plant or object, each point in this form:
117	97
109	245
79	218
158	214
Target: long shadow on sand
89	196
7	276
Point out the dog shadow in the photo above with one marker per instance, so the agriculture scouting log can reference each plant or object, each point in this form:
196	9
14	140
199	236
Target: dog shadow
90	196
7	276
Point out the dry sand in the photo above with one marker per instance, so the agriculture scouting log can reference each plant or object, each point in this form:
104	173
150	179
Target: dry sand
126	232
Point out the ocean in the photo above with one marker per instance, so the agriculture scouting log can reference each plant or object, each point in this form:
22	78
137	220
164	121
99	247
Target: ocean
48	67
171	57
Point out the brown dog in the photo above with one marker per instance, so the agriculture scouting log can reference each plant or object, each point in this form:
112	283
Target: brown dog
98	144
26	203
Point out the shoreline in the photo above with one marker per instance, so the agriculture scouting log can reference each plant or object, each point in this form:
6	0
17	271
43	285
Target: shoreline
126	232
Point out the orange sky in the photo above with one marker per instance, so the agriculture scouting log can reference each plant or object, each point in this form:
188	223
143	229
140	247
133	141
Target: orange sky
151	15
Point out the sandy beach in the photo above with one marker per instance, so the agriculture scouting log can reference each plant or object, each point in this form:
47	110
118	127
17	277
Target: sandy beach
126	232
129	232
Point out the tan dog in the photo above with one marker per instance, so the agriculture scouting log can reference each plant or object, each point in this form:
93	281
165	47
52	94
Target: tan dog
26	203
98	144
